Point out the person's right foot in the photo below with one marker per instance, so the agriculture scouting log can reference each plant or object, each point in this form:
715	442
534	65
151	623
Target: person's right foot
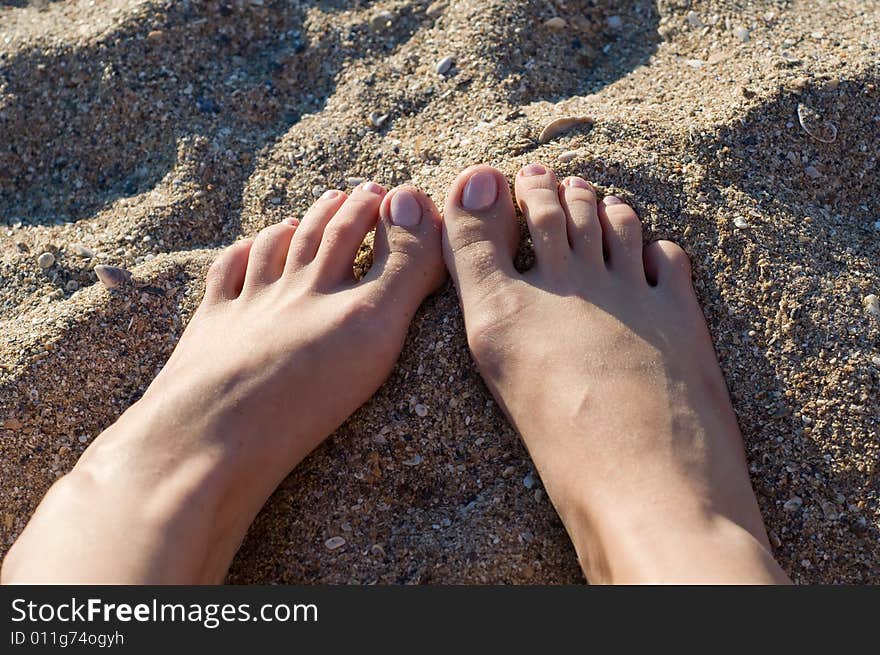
601	358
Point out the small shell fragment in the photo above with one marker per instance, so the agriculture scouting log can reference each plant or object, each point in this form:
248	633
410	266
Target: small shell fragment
83	251
555	23
561	126
793	504
334	542
378	119
421	410
740	223
872	305
567	156
442	67
813	125
46	260
743	34
112	277
382	21
415	460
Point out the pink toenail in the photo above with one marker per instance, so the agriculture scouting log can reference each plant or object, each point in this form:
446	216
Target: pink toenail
577	183
533	169
480	191
291	221
329	194
405	209
372	187
612	200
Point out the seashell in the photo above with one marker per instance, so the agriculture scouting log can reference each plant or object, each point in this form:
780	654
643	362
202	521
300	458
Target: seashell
444	65
334	542
793	504
568	156
813	125
555	23
46	260
415	460
382	20
561	126
112	277
378	119
83	251
872	305
435	9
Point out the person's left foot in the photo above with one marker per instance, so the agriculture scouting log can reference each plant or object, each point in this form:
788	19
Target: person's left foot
284	347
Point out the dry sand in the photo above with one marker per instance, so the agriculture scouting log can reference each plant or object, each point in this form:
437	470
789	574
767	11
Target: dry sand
153	133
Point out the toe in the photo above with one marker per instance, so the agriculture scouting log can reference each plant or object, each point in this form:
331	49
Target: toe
622	238
311	229
345	233
537	193
667	265
226	276
584	231
480	232
407	258
268	255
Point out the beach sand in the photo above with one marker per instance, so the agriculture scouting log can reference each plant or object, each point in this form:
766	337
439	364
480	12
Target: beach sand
150	134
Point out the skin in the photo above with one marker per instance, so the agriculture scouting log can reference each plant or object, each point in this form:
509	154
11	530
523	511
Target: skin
601	359
284	347
599	355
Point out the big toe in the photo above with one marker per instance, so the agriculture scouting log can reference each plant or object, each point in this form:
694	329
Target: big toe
480	233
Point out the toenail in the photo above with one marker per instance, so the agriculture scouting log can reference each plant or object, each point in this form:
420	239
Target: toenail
405	209
291	221
578	183
329	193
533	169
480	191
372	187
612	200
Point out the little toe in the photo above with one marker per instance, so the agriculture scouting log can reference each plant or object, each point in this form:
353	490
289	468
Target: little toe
480	232
345	233
407	259
667	265
584	230
622	238
268	255
311	228
225	278
537	193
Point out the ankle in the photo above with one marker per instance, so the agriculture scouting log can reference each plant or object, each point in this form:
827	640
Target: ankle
690	547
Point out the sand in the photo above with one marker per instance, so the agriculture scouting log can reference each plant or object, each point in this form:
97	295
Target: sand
148	135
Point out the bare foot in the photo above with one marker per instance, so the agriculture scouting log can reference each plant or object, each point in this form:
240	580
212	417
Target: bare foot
284	347
601	358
